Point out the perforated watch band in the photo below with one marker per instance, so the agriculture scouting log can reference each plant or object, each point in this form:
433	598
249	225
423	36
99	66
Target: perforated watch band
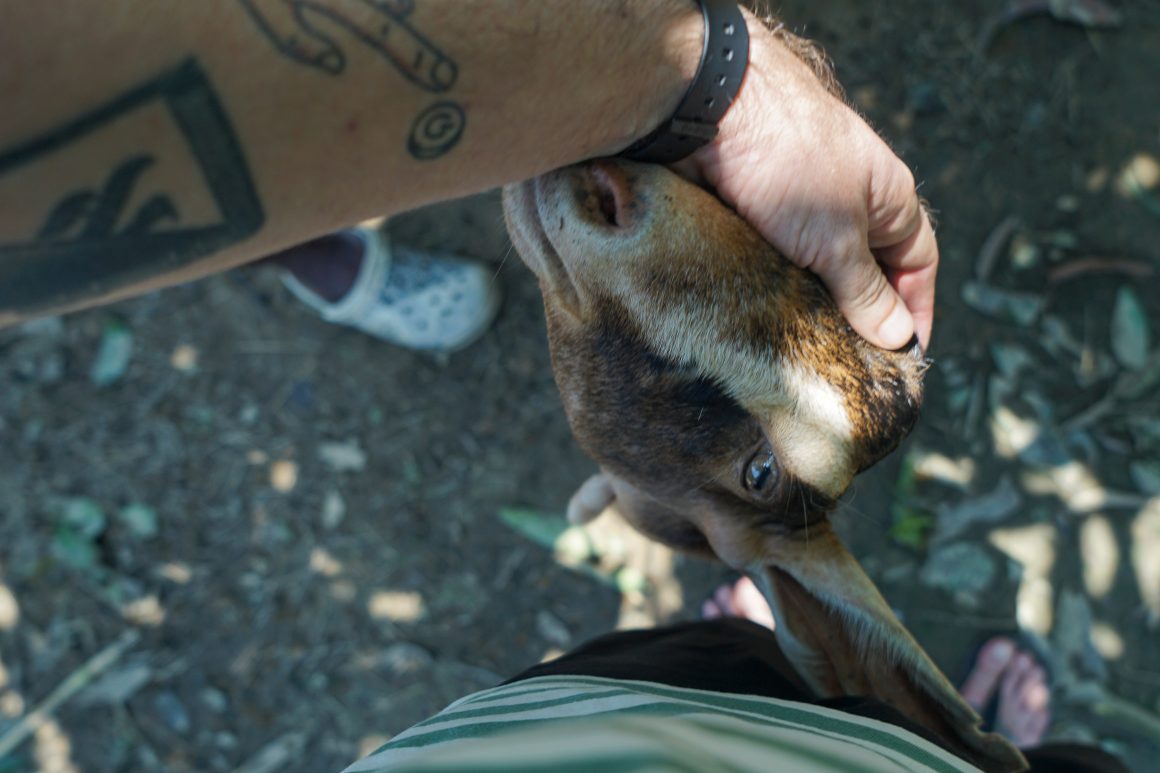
723	61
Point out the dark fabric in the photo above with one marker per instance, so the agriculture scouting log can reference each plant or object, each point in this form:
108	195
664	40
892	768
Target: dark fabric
1072	758
729	655
732	655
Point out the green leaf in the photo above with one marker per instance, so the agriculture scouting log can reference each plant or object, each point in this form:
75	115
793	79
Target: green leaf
1146	476
1131	338
906	483
113	356
74	549
84	517
14	763
411	472
1138	383
911	527
569	544
1023	308
139	519
541	528
1145	431
1011	359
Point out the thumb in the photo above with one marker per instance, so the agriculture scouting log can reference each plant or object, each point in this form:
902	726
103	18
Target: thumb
867	300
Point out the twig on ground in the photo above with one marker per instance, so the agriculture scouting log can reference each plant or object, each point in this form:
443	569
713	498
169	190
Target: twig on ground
1096	265
993	246
1125	715
1138	674
1011	13
1086	13
96	665
276	755
1093	414
975	407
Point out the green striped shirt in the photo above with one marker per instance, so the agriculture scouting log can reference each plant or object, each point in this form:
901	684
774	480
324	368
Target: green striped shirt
580	723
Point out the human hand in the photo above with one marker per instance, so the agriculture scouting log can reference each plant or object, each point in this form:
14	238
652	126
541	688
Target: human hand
822	187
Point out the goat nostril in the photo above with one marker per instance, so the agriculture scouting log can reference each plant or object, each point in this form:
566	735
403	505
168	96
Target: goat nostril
608	206
612	190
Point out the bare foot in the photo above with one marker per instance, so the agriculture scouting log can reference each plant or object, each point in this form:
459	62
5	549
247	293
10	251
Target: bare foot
741	599
1024	710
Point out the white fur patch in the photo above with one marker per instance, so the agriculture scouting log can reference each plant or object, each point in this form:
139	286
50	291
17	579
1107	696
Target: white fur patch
816	442
804	415
818	401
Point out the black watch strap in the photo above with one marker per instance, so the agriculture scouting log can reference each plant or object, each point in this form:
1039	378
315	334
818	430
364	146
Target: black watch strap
723	61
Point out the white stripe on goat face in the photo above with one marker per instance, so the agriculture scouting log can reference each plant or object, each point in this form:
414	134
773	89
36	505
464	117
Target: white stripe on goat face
804	416
814	438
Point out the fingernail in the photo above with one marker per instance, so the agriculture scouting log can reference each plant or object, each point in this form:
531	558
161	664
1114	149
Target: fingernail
898	328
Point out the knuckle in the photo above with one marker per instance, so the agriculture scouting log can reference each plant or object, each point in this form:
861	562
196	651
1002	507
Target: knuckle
842	249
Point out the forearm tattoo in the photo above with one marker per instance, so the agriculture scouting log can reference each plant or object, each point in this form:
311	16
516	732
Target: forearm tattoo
306	32
125	230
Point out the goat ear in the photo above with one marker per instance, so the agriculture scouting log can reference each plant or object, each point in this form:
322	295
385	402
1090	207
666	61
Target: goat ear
843	639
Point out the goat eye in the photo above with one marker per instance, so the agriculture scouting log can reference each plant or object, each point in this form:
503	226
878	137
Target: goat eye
761	472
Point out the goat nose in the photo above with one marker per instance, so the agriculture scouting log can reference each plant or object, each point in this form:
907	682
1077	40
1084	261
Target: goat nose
614	202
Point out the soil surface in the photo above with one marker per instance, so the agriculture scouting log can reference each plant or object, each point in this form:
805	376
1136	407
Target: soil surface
302	526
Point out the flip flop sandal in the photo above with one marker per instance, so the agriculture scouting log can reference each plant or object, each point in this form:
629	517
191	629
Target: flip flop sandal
414	299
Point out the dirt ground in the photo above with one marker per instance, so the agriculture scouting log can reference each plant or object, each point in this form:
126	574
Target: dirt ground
298	528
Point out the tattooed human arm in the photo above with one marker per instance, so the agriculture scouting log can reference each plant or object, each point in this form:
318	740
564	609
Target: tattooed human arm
166	141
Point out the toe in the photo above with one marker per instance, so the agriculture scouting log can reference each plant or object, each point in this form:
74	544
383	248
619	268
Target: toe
1029	688
724	598
1037	727
739	599
720	604
1024	702
710	610
1015	679
993	658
